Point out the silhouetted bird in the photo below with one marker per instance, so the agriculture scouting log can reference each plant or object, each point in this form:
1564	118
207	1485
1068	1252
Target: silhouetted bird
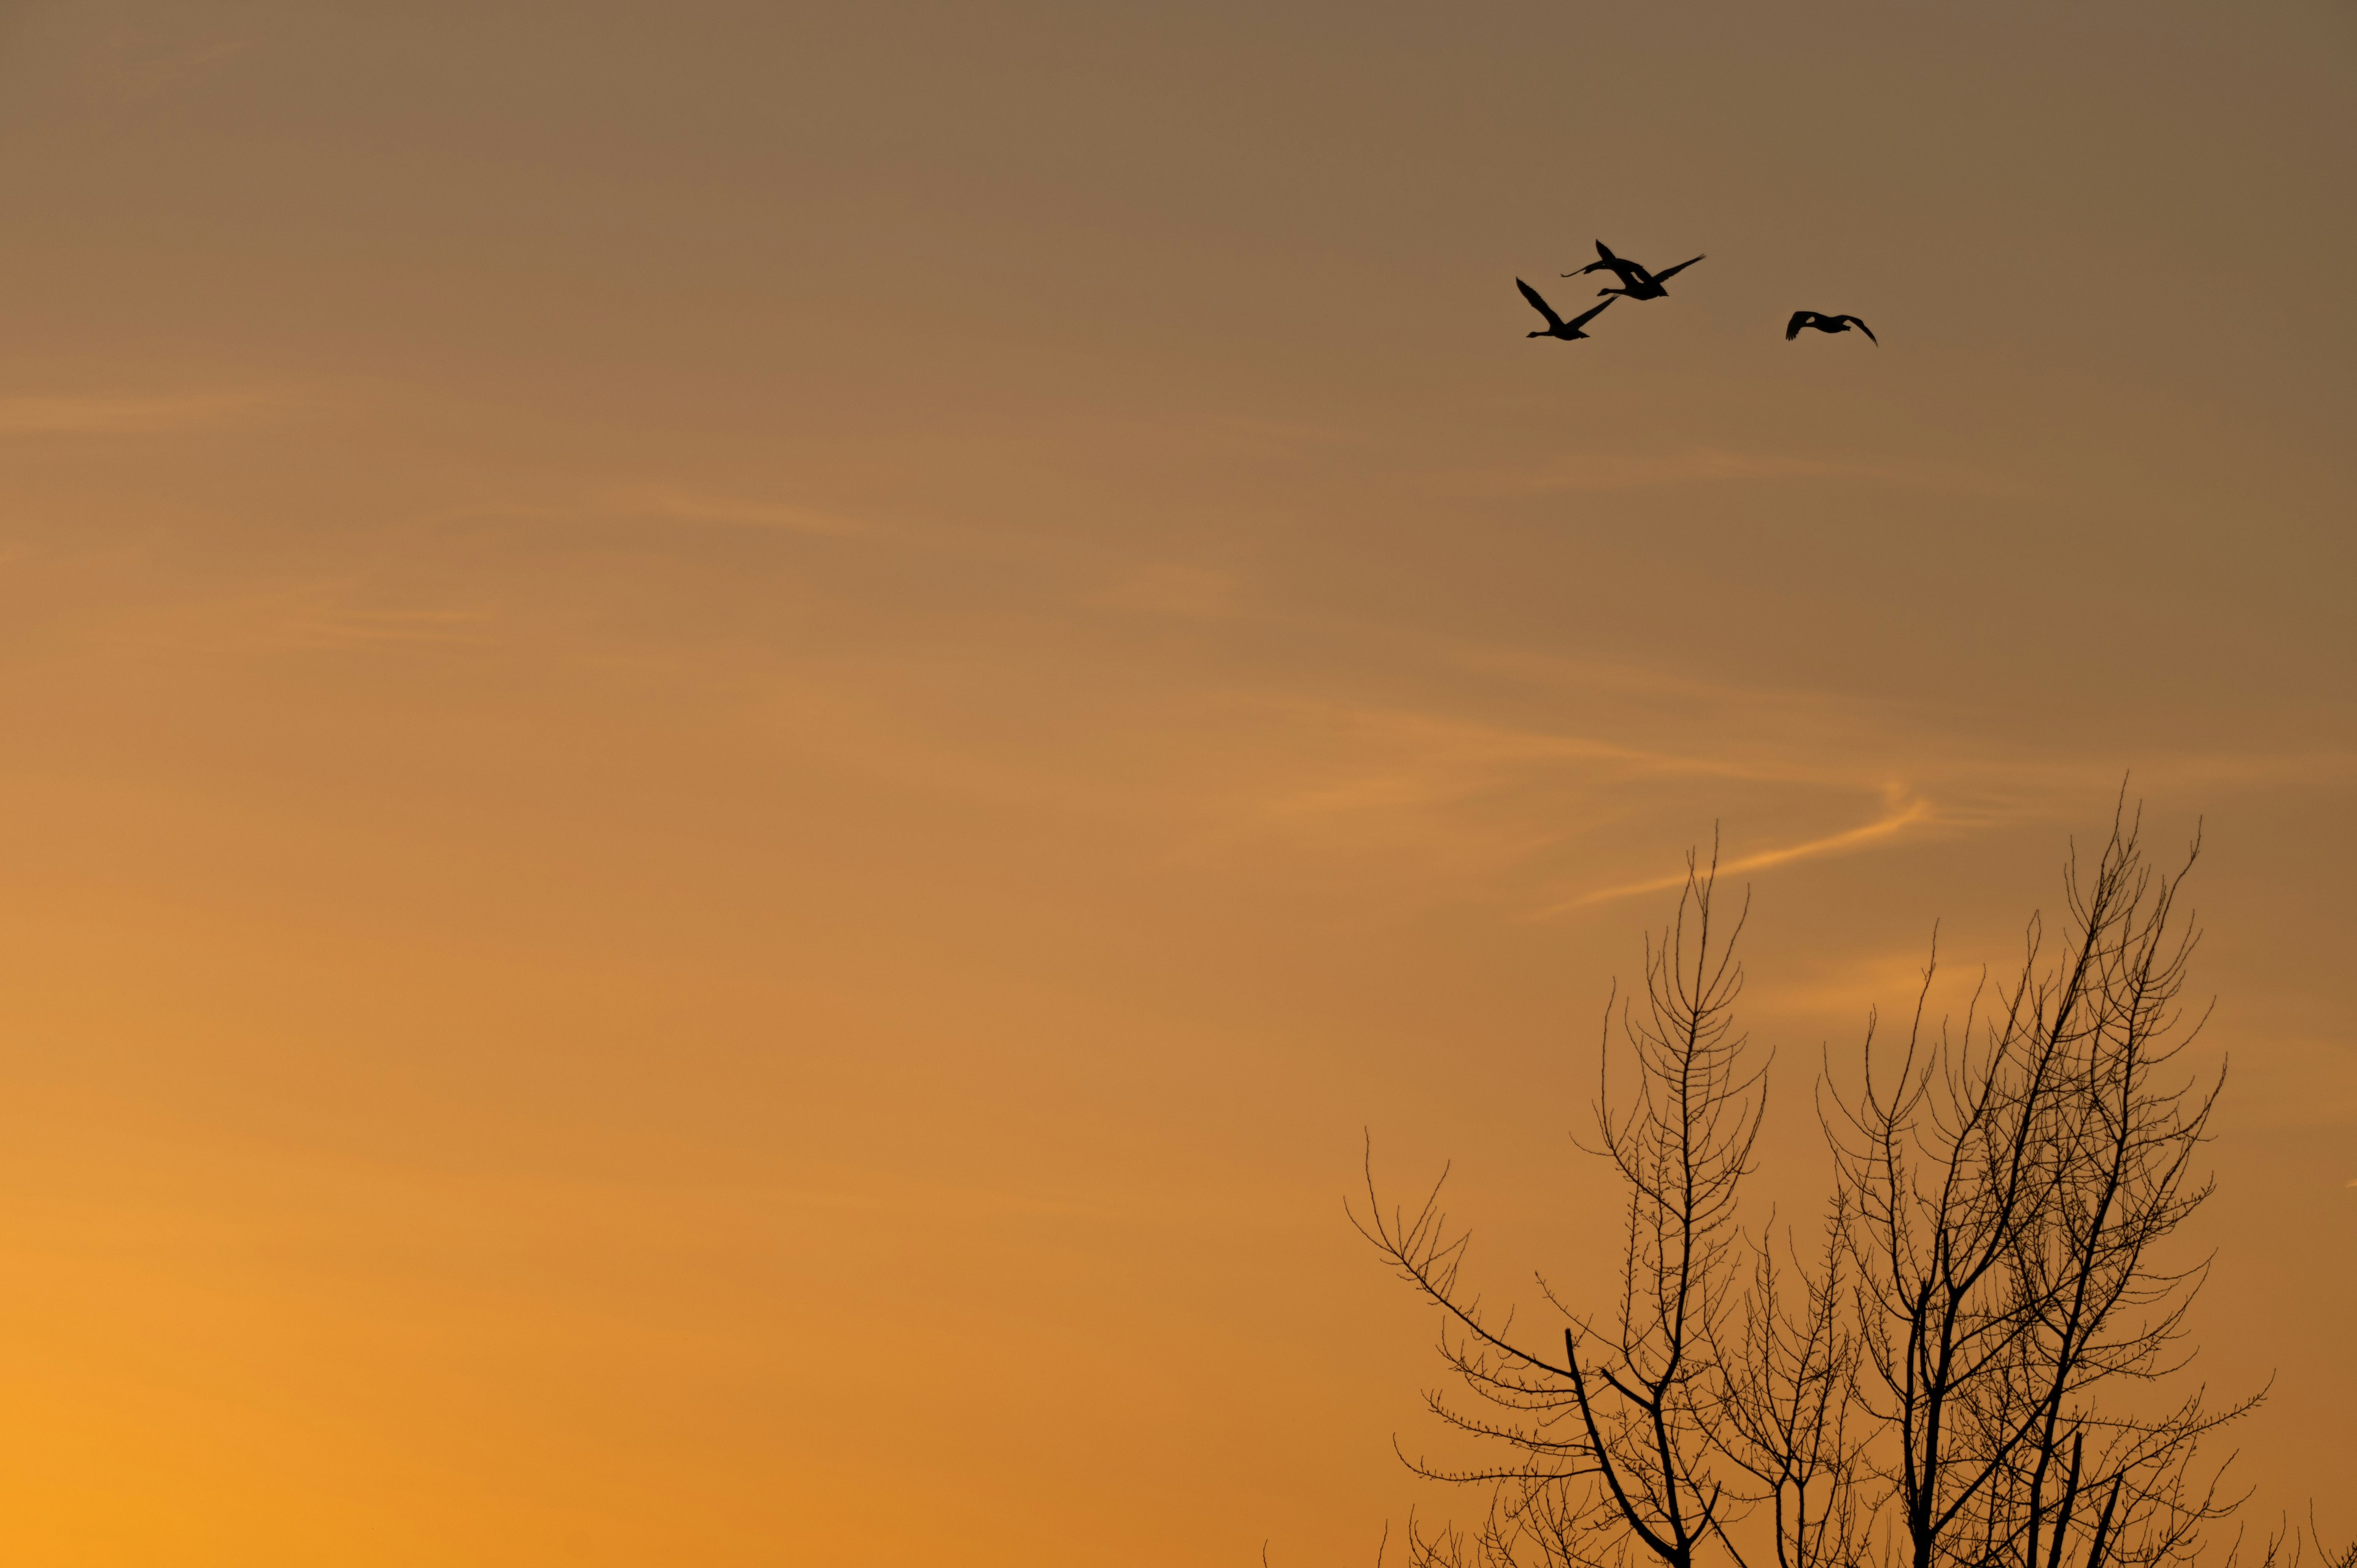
1635	281
1557	325
1823	323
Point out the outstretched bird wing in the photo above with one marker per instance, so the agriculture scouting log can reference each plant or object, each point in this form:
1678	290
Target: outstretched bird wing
1799	318
1585	317
1673	272
1555	322
1627	271
1862	326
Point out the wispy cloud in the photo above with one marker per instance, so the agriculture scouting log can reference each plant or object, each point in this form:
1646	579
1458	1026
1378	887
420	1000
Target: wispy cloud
37	415
1620	470
943	1201
697	506
1162	589
129	63
1708	465
1409	759
1846	984
1901	810
355	627
1475	804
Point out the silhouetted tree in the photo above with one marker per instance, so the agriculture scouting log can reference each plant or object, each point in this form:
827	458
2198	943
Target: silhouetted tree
1790	1417
2005	1189
1609	1446
1966	1372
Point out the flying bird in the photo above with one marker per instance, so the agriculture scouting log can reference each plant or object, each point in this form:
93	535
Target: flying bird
1635	281
1557	325
1823	323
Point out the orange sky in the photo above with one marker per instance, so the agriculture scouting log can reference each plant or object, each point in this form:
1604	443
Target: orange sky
742	737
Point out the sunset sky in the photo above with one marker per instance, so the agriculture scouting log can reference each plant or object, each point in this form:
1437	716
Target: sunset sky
742	739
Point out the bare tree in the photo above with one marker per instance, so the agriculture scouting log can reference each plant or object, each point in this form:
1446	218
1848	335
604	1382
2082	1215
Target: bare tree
1969	1371
2005	1191
1607	1449
2286	1547
1790	1416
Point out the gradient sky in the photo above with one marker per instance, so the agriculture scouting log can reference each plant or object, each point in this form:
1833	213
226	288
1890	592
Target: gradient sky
742	737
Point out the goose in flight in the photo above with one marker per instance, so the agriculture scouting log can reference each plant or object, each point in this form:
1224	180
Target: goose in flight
1557	325
1823	323
1635	281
